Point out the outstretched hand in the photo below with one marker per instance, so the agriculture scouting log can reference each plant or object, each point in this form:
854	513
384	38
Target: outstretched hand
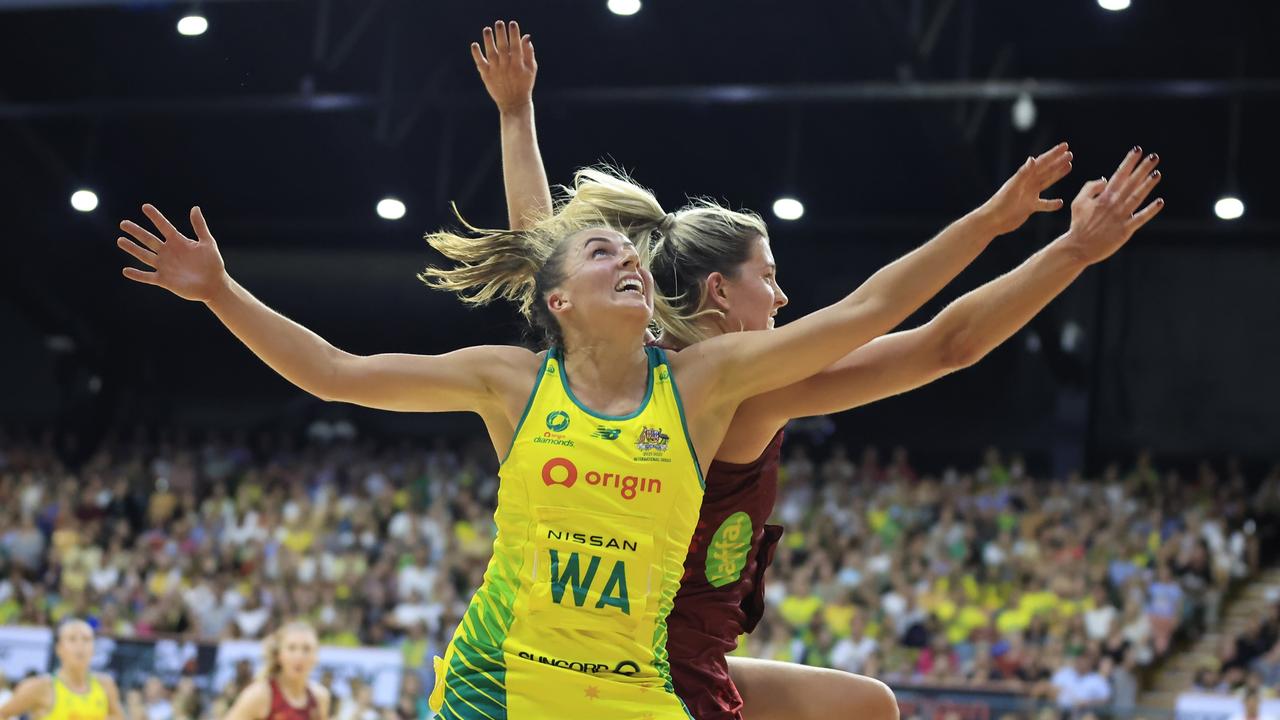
1019	197
1105	214
190	269
507	65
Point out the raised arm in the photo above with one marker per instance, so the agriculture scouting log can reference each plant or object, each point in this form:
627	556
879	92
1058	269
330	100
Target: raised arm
1103	219
508	68
467	379
961	335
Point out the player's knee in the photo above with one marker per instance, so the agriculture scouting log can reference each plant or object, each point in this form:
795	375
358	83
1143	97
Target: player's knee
875	701
886	702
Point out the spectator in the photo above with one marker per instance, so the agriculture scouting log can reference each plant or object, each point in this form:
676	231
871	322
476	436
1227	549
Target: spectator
851	653
1268	666
417	575
1252	702
156	700
1207	680
1124	684
252	619
1080	686
1164	608
359	704
801	604
25	544
415	610
1099	619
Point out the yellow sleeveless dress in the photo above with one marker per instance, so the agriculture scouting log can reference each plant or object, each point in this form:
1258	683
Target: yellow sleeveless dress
594	518
68	705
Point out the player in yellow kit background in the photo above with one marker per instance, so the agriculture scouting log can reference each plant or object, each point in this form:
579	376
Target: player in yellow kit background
72	692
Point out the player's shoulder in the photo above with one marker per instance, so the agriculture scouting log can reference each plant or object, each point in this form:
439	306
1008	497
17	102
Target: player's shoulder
106	681
504	359
37	686
515	354
259	690
38	681
320	692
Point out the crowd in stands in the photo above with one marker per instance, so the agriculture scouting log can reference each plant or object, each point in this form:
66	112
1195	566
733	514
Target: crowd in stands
982	576
1248	663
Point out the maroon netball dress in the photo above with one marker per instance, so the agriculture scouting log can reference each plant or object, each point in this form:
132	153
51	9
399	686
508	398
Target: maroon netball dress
721	595
282	709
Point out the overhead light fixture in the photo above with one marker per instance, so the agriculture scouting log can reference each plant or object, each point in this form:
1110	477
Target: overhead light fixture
1024	112
1114	5
84	200
193	25
390	208
788	208
624	7
1229	208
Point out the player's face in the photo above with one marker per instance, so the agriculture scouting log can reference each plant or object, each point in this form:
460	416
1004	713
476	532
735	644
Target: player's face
604	278
75	645
299	651
752	295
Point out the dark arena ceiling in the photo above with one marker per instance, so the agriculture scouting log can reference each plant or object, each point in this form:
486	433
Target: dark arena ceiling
288	120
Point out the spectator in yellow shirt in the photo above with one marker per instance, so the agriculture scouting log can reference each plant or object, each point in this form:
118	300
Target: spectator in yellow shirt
801	603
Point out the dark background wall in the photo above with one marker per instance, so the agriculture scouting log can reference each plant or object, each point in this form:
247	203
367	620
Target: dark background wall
1173	342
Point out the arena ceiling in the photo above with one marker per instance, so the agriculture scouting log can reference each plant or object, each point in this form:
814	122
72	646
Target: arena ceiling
288	120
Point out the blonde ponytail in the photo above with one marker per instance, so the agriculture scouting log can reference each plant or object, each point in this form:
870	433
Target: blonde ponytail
519	266
492	264
681	248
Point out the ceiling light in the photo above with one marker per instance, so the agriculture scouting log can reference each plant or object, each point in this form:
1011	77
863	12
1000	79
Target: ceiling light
390	209
788	208
193	25
84	200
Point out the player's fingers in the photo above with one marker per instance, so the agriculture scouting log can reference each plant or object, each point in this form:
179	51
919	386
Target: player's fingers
478	56
137	251
148	278
1142	218
162	223
142	235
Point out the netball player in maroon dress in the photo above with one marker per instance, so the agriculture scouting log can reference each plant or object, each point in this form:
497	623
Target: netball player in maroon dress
726	256
284	690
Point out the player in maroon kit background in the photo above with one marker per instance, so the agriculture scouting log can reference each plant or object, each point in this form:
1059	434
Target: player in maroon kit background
284	689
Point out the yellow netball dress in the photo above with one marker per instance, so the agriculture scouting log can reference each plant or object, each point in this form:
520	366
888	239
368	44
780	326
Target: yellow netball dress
68	705
594	518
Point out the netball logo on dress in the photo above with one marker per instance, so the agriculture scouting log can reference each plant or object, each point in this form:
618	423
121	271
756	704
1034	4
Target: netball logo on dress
557	423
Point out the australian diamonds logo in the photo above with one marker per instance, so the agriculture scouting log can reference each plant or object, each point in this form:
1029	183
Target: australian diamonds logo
652	440
606	433
558	421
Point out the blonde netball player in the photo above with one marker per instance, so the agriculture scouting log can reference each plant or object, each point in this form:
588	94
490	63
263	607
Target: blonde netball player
284	689
72	692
